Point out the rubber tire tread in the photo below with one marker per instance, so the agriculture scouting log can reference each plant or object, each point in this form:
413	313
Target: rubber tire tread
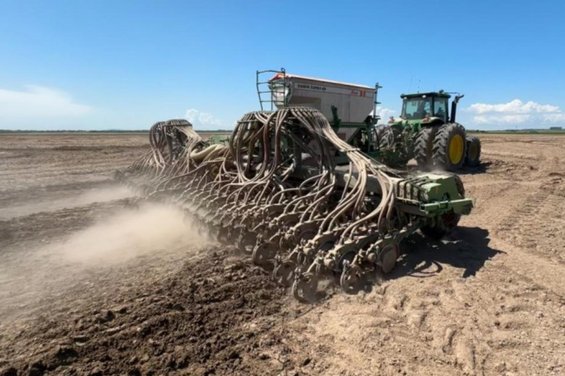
423	147
440	150
387	138
472	140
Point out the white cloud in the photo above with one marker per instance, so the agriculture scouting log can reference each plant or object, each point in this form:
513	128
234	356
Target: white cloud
515	106
384	113
202	119
37	103
558	117
502	119
516	112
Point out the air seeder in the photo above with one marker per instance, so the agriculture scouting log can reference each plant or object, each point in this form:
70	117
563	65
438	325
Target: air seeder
305	201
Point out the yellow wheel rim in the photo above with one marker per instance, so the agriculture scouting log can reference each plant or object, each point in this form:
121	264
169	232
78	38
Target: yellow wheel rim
456	148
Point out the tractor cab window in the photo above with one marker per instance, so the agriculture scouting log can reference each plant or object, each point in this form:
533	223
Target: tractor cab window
416	108
440	108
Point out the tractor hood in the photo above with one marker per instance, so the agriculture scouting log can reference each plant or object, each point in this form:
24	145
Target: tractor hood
416	123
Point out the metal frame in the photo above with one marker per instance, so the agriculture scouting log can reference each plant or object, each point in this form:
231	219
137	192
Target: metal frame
260	84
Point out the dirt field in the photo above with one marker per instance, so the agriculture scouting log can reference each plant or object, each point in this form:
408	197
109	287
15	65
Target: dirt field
92	285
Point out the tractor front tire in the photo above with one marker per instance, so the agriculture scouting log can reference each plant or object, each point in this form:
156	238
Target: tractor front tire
393	151
379	131
473	156
449	147
386	138
423	147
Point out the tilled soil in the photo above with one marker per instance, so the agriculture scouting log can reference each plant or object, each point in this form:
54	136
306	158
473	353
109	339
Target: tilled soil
91	285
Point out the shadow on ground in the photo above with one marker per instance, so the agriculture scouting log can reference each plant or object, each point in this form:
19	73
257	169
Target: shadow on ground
467	248
482	168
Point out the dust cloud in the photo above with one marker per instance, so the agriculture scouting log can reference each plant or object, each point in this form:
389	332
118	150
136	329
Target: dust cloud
46	204
127	243
150	228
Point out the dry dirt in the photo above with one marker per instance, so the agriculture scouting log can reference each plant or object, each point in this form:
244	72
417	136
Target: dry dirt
93	285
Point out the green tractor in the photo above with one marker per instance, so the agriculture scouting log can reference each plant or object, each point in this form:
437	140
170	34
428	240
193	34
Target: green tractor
427	133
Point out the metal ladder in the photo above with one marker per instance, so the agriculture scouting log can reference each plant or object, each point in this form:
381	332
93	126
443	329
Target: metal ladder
376	117
262	80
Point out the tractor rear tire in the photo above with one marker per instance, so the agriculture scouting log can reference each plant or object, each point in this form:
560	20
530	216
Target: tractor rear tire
423	147
449	147
473	156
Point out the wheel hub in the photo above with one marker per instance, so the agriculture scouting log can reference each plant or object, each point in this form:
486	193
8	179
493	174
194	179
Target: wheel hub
456	148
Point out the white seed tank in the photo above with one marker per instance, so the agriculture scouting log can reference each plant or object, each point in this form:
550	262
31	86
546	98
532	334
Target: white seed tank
353	102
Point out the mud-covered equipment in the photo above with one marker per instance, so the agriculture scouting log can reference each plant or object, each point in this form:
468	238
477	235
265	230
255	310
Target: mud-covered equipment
277	192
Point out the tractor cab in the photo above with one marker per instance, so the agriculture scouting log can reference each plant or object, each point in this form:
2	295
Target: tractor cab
431	106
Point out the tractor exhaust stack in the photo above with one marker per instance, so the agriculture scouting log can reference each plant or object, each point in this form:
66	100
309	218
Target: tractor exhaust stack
454	107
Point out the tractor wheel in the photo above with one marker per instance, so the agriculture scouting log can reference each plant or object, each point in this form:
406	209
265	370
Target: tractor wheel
473	157
423	147
392	151
379	131
386	138
449	147
445	223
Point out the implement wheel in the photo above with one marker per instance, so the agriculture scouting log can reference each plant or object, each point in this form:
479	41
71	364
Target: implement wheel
246	240
473	157
283	273
223	234
350	281
449	147
305	288
263	253
388	255
423	147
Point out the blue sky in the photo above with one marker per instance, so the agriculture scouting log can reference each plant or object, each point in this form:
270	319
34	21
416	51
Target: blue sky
127	64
